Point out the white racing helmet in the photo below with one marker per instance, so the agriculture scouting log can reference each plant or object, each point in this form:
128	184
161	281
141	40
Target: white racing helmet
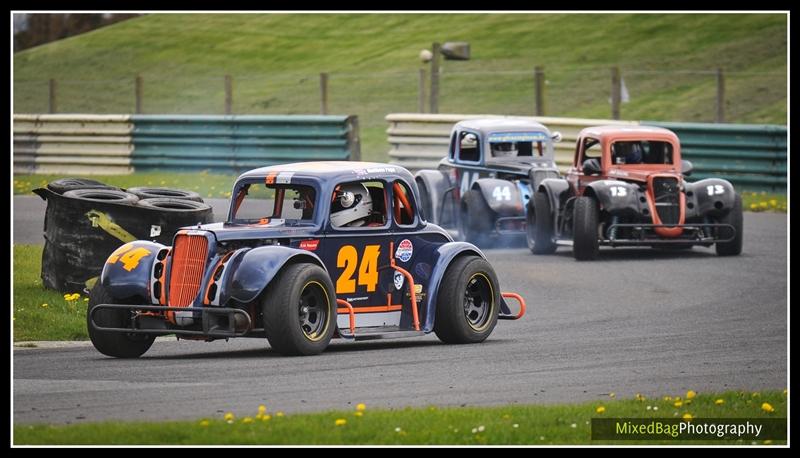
504	149
351	205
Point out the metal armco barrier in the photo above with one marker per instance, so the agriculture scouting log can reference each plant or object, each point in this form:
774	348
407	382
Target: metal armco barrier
72	144
420	141
239	143
120	144
750	156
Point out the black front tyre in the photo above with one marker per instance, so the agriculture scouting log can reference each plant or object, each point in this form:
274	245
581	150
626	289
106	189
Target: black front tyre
299	308
468	301
585	243
734	218
540	225
477	218
116	344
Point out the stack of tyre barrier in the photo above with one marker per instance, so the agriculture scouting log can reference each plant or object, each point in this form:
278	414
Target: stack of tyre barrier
86	221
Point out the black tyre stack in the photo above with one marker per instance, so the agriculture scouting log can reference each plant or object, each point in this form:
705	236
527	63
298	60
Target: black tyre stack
86	221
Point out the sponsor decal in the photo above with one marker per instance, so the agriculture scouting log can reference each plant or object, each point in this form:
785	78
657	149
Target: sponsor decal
155	231
399	279
405	250
309	245
417	288
423	270
517	137
356	299
284	178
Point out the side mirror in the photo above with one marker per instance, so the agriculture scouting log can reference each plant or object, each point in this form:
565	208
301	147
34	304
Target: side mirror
591	167
686	167
556	137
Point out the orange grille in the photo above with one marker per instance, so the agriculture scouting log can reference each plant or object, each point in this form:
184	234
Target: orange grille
188	263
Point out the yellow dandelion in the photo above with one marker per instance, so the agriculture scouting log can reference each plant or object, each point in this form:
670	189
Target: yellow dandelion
204	423
719	402
667	398
767	407
279	414
785	391
44	305
266	418
163	182
753	207
85	299
247	420
340	422
361	407
600	409
687	416
262	409
229	417
359	414
690	394
639	397
678	403
66	296
756	394
762	204
773	202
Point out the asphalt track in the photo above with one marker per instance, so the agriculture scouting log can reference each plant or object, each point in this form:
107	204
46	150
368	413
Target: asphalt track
635	321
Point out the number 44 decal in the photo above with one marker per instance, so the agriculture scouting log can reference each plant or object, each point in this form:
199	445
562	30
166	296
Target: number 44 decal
501	193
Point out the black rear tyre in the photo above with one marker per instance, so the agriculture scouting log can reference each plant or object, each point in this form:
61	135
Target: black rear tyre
477	218
540	225
299	308
734	218
585	243
468	301
118	345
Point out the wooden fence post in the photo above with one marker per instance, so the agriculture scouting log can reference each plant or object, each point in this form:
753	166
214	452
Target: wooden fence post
52	87
435	78
228	94
616	92
323	90
139	85
421	105
720	95
539	77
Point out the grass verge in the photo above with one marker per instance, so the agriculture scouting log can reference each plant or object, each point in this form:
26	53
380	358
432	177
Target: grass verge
208	185
39	313
764	202
524	425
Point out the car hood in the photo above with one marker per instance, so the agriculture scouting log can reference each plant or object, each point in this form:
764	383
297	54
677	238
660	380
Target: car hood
273	229
520	167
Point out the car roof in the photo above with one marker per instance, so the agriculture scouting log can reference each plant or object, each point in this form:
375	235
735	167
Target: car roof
502	124
630	132
333	170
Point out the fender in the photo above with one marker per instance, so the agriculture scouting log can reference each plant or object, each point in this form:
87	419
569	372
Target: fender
503	196
538	174
436	184
617	197
445	255
252	270
709	197
557	190
128	269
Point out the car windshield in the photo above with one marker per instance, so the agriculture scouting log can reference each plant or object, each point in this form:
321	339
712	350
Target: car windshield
518	145
641	152
259	203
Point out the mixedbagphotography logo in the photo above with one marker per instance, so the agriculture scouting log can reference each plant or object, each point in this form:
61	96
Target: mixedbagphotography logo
694	429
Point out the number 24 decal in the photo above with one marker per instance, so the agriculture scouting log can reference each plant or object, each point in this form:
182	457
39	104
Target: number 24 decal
367	268
130	257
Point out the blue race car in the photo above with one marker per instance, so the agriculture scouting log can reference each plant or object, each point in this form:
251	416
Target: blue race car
309	251
481	189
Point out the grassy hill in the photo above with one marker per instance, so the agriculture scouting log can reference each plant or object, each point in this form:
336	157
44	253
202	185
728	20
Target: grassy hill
667	62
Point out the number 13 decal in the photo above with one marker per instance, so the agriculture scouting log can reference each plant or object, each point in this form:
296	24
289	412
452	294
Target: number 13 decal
367	268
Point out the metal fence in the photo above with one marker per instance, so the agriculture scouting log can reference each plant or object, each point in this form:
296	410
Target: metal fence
119	144
751	156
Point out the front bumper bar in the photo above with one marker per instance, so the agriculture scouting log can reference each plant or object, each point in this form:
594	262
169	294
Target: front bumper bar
696	235
157	325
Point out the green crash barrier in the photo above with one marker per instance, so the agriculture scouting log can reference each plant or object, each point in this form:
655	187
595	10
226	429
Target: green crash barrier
751	156
233	144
